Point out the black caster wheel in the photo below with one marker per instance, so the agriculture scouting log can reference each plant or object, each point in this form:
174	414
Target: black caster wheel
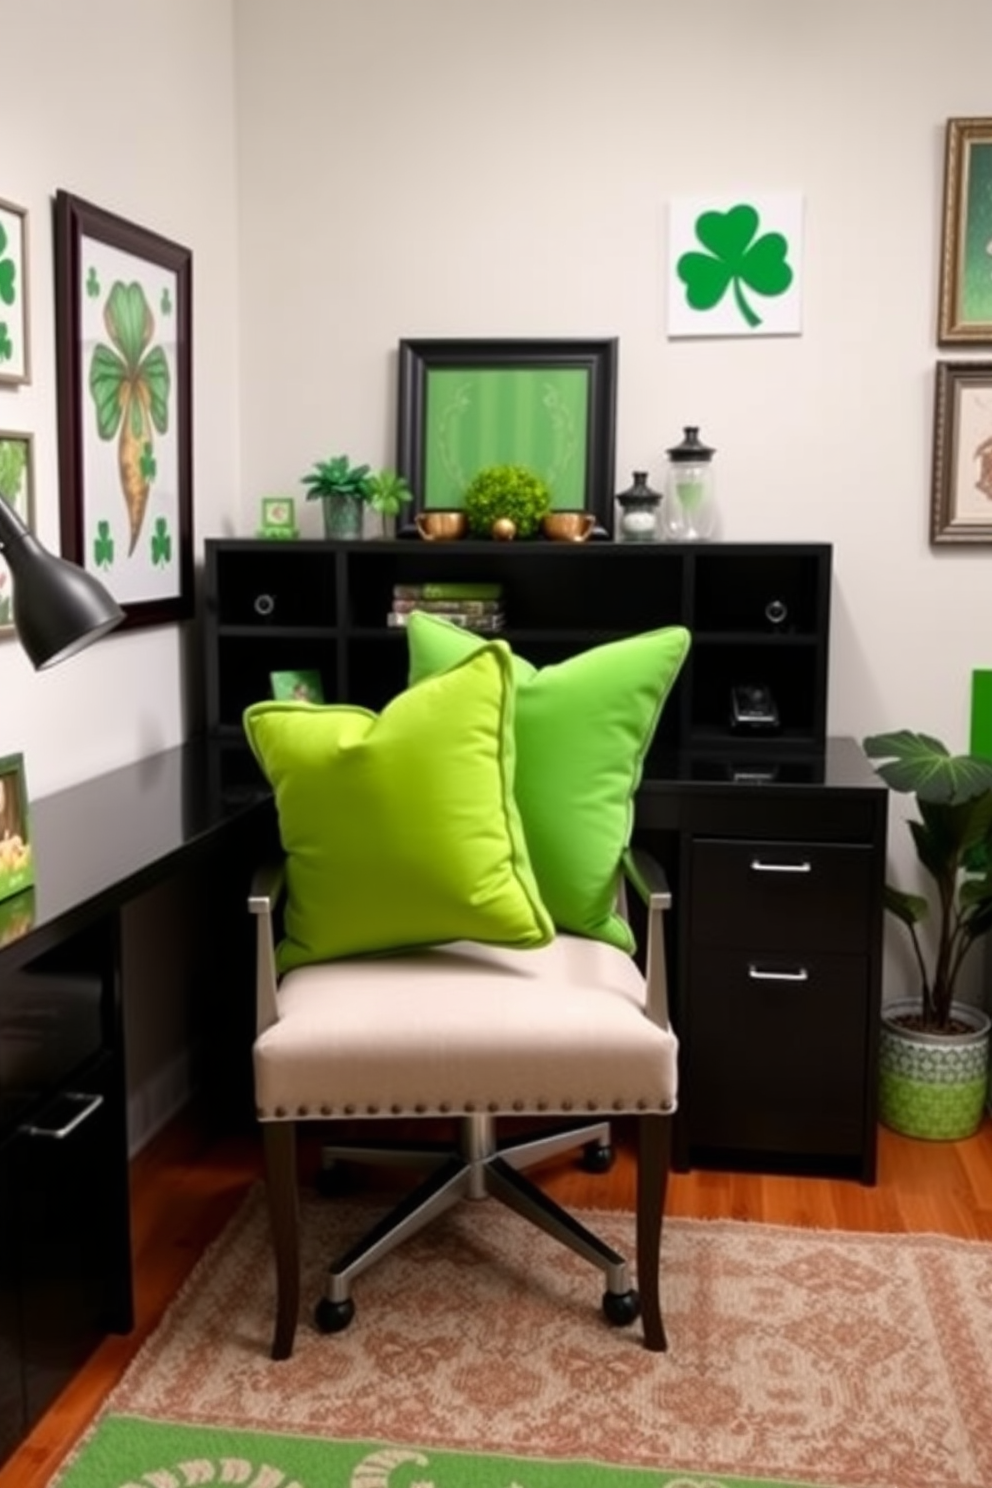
598	1157
621	1308
333	1317
335	1178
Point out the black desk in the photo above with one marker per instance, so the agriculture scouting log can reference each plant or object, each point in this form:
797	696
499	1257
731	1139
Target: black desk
65	1258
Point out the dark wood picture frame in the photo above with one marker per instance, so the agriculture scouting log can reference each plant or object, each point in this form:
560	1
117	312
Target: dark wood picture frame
961	500
123	311
591	449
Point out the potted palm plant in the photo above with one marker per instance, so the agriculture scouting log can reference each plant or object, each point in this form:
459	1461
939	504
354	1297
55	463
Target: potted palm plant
934	1057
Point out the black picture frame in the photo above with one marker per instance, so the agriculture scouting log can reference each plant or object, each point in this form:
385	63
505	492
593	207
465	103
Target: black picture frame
123	298
594	445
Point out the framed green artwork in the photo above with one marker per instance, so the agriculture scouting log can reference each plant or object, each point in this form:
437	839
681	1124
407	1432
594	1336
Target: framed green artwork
122	333
548	405
15	361
16	488
966	255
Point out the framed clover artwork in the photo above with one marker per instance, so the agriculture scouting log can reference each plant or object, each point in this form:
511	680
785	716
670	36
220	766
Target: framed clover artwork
17	488
15	361
123	352
735	265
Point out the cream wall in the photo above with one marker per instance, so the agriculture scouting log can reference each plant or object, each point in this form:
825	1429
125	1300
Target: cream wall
350	173
463	168
130	107
456	167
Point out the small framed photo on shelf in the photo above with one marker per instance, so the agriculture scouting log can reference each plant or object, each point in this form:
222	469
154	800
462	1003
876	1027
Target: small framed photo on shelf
966	250
16	855
297	687
278	518
961	501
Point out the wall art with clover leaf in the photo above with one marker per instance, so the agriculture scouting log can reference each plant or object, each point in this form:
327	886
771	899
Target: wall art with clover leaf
15	360
735	265
123	342
17	488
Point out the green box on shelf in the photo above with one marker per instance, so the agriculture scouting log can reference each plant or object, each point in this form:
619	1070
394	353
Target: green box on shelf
278	518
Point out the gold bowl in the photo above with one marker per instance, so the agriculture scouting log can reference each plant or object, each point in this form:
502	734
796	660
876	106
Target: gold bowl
441	526
568	526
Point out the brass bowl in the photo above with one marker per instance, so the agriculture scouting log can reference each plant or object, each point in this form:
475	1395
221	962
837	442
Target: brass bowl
441	526
568	526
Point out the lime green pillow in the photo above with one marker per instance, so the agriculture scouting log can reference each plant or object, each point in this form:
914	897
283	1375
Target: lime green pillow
583	729
401	828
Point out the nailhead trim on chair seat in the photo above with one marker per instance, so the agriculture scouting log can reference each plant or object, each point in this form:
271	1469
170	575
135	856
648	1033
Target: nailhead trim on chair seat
533	1108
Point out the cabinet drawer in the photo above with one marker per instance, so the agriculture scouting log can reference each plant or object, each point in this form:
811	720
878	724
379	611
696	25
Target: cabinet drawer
782	896
776	1052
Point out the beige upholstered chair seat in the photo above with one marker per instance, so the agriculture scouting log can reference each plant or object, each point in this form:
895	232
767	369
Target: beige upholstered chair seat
466	1028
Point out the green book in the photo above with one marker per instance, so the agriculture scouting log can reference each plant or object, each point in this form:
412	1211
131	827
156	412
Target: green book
441	590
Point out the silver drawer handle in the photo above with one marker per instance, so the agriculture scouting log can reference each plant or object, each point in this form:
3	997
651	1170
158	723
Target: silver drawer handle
93	1104
758	865
757	975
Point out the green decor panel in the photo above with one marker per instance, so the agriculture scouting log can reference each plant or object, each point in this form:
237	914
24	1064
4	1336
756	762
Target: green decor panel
477	417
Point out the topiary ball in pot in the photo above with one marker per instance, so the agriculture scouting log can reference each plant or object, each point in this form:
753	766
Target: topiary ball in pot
506	491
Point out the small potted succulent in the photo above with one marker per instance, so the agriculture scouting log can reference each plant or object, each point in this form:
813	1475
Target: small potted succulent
506	501
934	1048
388	493
343	489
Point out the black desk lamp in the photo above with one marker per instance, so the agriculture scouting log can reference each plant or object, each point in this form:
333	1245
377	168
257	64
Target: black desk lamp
59	608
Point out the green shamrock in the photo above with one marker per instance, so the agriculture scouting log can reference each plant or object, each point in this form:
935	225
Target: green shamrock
161	542
6	345
93	284
165	303
8	270
147	463
103	546
735	256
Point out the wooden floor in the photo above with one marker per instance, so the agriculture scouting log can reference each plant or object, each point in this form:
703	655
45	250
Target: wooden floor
185	1188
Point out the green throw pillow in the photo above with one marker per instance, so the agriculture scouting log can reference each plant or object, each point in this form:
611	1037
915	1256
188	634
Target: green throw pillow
401	828
583	729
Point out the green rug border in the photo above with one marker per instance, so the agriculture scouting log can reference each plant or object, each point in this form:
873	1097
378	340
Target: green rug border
120	1449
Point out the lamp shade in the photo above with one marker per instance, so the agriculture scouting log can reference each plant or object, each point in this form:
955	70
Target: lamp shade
58	607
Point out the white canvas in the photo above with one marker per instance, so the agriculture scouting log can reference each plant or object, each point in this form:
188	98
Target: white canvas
735	265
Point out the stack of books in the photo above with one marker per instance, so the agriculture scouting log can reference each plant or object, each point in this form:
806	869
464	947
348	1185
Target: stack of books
477	607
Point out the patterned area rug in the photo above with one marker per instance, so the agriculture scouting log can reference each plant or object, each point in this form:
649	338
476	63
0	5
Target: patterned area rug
857	1361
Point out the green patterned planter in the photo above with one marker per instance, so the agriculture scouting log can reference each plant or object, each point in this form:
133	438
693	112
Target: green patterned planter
342	516
933	1085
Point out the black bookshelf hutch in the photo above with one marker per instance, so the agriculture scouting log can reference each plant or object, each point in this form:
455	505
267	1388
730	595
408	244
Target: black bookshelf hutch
774	840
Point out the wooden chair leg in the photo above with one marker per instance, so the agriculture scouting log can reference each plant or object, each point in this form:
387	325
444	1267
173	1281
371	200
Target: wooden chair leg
654	1137
279	1147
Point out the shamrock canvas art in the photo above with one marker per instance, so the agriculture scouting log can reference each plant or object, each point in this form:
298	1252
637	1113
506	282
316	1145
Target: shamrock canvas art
123	324
735	265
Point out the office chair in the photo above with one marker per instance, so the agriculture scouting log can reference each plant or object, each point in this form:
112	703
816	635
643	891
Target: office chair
416	972
477	1032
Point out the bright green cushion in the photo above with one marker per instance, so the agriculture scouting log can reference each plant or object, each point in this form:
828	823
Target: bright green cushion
401	828
583	729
